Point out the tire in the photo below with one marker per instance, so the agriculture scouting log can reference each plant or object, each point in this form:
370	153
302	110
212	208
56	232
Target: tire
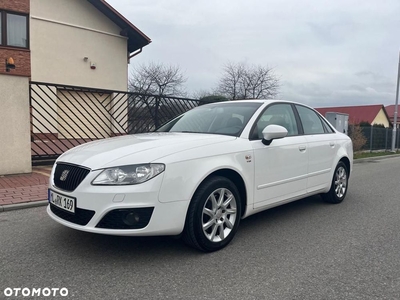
213	216
339	185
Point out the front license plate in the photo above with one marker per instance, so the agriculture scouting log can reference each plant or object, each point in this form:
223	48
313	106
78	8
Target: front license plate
64	202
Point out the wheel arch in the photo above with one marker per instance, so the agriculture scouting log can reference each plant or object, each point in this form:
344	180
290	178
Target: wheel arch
237	179
346	161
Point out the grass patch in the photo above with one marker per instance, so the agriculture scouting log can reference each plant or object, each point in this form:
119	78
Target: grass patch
358	155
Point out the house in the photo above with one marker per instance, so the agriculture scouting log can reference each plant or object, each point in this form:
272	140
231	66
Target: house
57	45
15	71
372	114
85	43
390	112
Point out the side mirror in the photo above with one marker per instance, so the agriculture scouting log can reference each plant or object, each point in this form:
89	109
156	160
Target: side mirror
272	132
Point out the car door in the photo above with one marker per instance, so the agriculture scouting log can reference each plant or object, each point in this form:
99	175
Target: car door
281	167
321	147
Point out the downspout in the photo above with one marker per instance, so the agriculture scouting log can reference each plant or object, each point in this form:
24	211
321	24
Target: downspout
132	55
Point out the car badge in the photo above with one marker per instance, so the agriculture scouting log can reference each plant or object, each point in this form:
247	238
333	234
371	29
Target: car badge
64	175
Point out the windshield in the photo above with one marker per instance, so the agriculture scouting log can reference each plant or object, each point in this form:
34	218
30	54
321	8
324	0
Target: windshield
221	118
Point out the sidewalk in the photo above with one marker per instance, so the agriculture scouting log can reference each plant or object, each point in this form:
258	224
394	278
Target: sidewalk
24	190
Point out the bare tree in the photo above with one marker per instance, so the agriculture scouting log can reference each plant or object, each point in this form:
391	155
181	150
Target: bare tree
157	79
154	82
202	93
240	81
231	80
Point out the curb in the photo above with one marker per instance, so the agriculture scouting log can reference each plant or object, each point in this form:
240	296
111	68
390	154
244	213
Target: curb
9	207
361	160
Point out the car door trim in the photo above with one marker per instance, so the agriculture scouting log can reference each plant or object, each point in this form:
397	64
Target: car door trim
267	185
320	172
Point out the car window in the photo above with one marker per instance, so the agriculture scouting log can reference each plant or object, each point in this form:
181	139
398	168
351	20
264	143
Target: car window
328	128
277	114
224	118
312	123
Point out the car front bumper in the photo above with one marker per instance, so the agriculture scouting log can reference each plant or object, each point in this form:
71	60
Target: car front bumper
100	208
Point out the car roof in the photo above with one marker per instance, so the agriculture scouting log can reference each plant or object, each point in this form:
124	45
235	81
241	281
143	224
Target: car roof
262	101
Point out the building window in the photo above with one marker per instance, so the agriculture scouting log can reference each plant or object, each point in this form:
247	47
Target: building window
13	30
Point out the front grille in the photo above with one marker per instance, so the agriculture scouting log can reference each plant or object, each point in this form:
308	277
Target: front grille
81	216
68	177
130	218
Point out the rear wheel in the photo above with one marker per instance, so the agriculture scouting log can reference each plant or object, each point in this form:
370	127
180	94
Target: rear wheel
214	215
340	180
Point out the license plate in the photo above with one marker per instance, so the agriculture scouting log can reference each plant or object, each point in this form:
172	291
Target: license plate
64	202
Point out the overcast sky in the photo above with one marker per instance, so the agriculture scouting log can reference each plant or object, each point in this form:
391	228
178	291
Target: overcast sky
325	52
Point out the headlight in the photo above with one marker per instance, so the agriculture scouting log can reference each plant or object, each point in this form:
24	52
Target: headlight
125	175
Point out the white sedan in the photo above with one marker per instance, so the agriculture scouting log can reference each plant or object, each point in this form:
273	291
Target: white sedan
201	173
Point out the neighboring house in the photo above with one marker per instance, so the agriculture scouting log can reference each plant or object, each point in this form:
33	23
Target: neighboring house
373	114
68	37
80	43
390	112
84	43
14	87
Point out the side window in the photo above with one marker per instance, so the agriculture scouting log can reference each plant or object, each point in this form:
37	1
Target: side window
328	128
278	114
312	123
14	29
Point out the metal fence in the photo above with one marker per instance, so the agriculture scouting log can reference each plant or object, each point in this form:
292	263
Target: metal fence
378	138
64	116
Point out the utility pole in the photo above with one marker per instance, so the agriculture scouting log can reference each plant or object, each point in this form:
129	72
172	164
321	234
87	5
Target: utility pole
395	110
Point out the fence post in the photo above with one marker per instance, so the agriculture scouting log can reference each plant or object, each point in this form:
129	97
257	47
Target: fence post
386	138
156	112
370	139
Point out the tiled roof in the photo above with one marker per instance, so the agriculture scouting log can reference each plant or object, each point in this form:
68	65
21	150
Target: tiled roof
390	111
136	38
357	114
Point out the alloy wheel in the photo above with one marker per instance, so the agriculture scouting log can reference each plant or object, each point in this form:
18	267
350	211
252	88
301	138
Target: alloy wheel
219	215
340	182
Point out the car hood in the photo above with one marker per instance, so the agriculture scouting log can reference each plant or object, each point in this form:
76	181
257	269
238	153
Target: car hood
136	149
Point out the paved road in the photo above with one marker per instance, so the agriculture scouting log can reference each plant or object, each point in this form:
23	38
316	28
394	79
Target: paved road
303	250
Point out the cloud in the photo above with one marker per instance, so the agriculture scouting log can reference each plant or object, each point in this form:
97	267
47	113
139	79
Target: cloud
343	51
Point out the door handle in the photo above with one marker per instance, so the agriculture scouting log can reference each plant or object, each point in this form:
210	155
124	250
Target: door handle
302	148
332	144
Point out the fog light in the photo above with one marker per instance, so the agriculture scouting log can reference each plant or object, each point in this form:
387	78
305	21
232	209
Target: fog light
131	218
126	218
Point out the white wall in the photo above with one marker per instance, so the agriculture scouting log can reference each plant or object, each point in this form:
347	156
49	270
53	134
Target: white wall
63	32
15	146
381	118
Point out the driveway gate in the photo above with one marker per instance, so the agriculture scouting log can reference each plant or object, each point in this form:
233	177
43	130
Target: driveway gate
64	116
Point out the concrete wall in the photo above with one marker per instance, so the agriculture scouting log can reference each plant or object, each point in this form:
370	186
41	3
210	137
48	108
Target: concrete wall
63	33
15	146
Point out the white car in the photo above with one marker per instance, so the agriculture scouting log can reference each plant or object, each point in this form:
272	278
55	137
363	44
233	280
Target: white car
201	173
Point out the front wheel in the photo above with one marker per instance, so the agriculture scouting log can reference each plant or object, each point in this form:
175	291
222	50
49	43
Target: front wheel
340	180
213	216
